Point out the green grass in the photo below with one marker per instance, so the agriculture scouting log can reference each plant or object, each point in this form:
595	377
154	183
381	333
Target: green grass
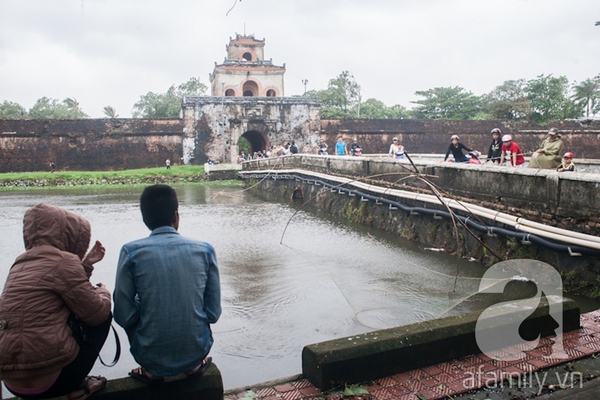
180	175
141	173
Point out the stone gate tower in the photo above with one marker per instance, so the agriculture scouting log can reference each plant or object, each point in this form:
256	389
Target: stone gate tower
247	101
245	72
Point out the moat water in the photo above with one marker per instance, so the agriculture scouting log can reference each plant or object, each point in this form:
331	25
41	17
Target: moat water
326	279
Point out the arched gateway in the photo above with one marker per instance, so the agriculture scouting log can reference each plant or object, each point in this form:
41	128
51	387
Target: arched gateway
247	101
213	126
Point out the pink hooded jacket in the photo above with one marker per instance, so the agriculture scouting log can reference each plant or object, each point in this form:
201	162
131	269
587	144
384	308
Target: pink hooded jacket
43	286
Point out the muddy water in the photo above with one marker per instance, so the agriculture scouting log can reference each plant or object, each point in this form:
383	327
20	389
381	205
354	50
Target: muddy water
325	280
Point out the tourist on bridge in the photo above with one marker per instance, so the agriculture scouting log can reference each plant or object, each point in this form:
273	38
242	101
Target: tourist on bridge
355	149
567	164
511	152
340	147
323	148
294	147
495	150
47	290
548	155
167	293
396	150
456	148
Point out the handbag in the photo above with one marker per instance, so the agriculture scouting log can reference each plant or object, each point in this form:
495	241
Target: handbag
80	330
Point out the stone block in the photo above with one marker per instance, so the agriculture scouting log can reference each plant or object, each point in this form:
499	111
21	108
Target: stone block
207	387
387	352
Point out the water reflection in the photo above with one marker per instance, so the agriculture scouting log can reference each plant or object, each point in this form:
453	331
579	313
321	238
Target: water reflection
327	279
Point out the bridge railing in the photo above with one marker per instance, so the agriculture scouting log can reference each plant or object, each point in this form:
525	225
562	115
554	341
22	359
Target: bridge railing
544	193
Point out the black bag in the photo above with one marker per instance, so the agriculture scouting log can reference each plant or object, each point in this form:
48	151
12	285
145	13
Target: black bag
80	330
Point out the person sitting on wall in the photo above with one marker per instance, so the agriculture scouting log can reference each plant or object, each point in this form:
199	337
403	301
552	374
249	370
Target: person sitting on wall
323	148
47	290
396	150
512	151
355	149
548	155
294	147
167	294
456	148
567	164
495	150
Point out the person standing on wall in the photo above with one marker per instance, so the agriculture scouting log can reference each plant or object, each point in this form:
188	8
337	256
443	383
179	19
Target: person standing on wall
167	294
340	147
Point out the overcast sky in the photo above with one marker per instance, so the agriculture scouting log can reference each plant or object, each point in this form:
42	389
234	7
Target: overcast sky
110	52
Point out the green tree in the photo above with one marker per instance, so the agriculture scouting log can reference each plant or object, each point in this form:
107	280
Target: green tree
549	99
508	101
341	99
110	112
167	105
587	95
376	109
10	110
447	103
75	111
45	108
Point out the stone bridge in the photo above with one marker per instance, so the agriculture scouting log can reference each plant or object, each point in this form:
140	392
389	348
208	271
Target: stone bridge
498	212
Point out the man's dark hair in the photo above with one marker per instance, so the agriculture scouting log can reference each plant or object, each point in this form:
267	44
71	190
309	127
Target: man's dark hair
158	204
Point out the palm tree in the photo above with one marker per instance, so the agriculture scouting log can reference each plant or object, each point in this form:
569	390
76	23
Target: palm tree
587	94
71	103
110	112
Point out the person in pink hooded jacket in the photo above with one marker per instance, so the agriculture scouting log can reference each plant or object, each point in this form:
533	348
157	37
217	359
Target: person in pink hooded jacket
46	286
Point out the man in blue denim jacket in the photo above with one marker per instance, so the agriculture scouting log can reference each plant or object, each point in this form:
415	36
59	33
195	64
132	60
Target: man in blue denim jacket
167	293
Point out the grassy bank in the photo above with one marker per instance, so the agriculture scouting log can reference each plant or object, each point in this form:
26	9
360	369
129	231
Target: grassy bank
187	174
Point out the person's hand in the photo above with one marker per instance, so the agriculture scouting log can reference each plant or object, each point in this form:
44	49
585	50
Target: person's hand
95	254
540	151
101	285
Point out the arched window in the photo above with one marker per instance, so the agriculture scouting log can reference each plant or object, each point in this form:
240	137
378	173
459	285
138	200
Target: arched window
271	93
229	92
250	89
247	56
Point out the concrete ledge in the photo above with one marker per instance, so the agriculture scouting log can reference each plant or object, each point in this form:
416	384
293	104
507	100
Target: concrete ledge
208	387
387	352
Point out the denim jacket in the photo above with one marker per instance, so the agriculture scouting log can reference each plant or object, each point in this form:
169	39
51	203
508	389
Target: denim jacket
167	293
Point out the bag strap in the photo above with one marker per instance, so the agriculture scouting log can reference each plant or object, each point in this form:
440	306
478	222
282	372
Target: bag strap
117	352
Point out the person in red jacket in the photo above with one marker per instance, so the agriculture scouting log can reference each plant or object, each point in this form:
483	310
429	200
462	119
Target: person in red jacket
512	151
47	286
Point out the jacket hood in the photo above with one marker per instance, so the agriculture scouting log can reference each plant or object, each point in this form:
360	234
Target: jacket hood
49	225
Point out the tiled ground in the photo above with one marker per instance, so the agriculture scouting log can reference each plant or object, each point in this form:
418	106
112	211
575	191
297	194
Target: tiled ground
451	378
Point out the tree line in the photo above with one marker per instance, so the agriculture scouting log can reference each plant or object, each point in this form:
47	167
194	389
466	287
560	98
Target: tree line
541	99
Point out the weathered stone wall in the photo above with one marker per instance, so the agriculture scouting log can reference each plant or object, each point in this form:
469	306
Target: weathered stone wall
211	128
89	144
580	274
214	125
433	136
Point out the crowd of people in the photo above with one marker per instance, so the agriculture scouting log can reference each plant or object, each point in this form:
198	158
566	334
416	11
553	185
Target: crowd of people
502	151
507	152
54	321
